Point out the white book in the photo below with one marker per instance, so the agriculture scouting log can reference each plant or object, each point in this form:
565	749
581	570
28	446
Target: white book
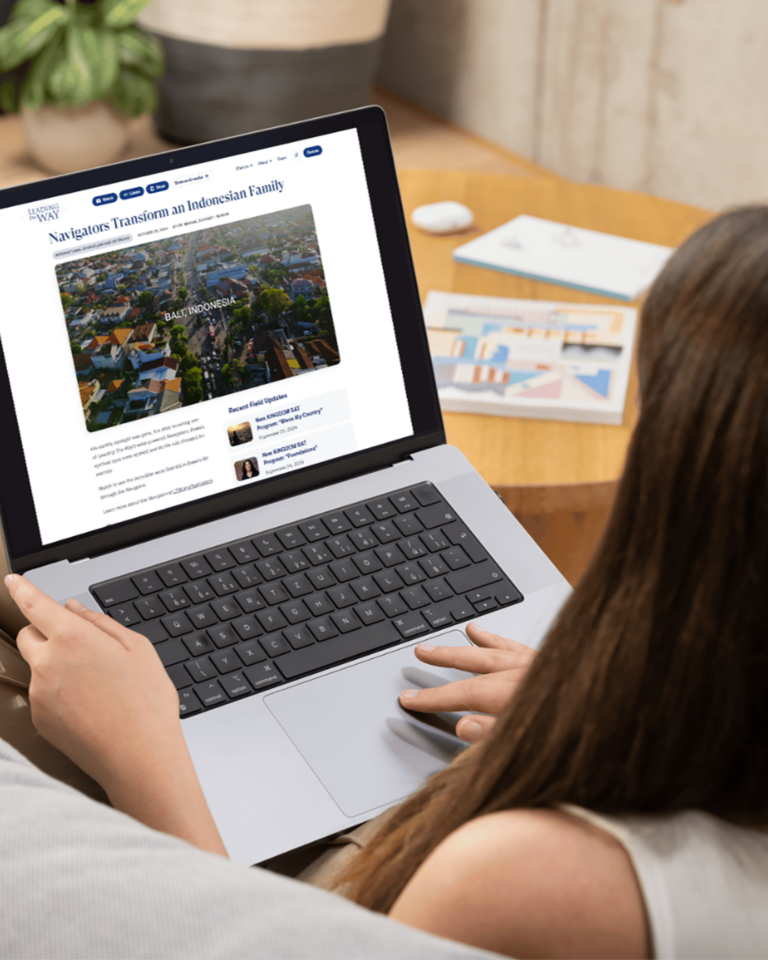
530	358
556	253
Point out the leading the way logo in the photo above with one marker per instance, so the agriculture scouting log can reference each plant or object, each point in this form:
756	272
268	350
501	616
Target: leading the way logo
48	211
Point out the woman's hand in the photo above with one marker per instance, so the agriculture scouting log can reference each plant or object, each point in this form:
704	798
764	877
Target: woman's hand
100	694
501	663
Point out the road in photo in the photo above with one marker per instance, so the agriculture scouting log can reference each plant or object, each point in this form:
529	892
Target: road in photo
179	321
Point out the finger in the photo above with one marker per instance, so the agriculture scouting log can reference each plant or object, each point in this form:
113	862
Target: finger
471	659
29	643
102	621
474	727
451	696
46	614
484	638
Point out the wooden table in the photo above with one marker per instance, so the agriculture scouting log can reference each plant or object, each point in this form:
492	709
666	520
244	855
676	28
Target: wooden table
508	450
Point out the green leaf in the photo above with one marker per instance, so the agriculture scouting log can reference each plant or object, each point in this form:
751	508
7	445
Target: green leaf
133	93
141	51
121	13
8	96
100	50
31	9
23	38
34	90
71	81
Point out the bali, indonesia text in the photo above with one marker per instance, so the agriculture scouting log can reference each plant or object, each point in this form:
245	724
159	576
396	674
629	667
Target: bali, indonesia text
120	223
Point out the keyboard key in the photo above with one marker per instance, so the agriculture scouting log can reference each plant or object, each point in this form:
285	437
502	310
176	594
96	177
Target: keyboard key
411	573
250	600
342	596
267	544
433	566
388	580
475	596
314	529
223	583
346	621
359	516
244	552
188	703
508	594
363	539
298	586
153	630
247	627
223	636
273	593
459	536
199	591
317	553
385	531
344	570
236	684
274	645
412	547
225	661
196	567
125	613
435	540
460	609
198	644
179	676
177	624
323	629
473	577
294	561
174	599
390	555
438	589
436	515
369	613
382	508
247	576
321	579
270	568
271	620
290	537
414	597
172	575
120	591
148	583
210	693
392	605
171	651
411	624
366	589
337	522
337	650
200	669
408	525
298	637
456	558
295	612
202	616
220	559
404	502
250	652
426	494
318	604
482	606
367	562
339	546
438	615
263	675
226	609
149	608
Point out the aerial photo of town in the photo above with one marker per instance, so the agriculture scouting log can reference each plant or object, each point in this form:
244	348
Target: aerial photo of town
179	321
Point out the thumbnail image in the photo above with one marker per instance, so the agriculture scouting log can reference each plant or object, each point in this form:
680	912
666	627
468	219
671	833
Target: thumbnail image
247	469
240	433
179	321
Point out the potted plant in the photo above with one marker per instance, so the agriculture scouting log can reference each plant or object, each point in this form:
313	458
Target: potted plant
89	68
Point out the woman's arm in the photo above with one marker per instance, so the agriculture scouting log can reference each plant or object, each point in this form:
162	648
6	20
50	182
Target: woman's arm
100	694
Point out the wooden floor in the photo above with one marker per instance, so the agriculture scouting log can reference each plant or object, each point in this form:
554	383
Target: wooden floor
419	141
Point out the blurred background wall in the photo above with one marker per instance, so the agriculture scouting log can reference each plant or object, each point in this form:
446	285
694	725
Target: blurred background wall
664	96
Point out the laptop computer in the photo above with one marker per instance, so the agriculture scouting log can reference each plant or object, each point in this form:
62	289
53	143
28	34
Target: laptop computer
220	426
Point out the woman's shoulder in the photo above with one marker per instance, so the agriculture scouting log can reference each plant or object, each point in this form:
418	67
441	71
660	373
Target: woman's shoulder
530	883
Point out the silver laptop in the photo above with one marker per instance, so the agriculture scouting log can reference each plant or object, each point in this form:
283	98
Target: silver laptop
221	427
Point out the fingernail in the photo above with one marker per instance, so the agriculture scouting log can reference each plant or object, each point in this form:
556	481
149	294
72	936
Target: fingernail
475	627
470	730
9	580
408	694
76	606
427	647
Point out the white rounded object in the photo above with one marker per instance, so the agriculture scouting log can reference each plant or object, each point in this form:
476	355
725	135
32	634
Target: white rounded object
445	217
65	139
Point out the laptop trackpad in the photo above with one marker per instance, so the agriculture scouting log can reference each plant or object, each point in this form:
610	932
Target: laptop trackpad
349	727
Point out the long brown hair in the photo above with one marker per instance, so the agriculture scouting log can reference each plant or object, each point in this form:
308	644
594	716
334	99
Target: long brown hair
650	692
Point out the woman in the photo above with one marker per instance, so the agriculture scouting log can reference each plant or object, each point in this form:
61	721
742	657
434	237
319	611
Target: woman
249	470
648	698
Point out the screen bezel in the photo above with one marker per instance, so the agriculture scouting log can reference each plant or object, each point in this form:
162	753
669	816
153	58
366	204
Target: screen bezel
17	511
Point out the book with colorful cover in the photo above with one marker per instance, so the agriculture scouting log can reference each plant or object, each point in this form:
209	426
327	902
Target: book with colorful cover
530	358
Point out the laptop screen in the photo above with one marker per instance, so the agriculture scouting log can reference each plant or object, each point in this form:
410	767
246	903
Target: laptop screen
177	336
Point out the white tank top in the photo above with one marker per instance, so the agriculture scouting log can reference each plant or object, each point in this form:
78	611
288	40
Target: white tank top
704	882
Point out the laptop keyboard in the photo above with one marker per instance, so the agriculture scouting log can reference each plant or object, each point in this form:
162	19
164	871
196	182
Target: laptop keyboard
258	612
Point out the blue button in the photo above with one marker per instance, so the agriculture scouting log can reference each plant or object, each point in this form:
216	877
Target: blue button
313	151
104	198
131	192
157	187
